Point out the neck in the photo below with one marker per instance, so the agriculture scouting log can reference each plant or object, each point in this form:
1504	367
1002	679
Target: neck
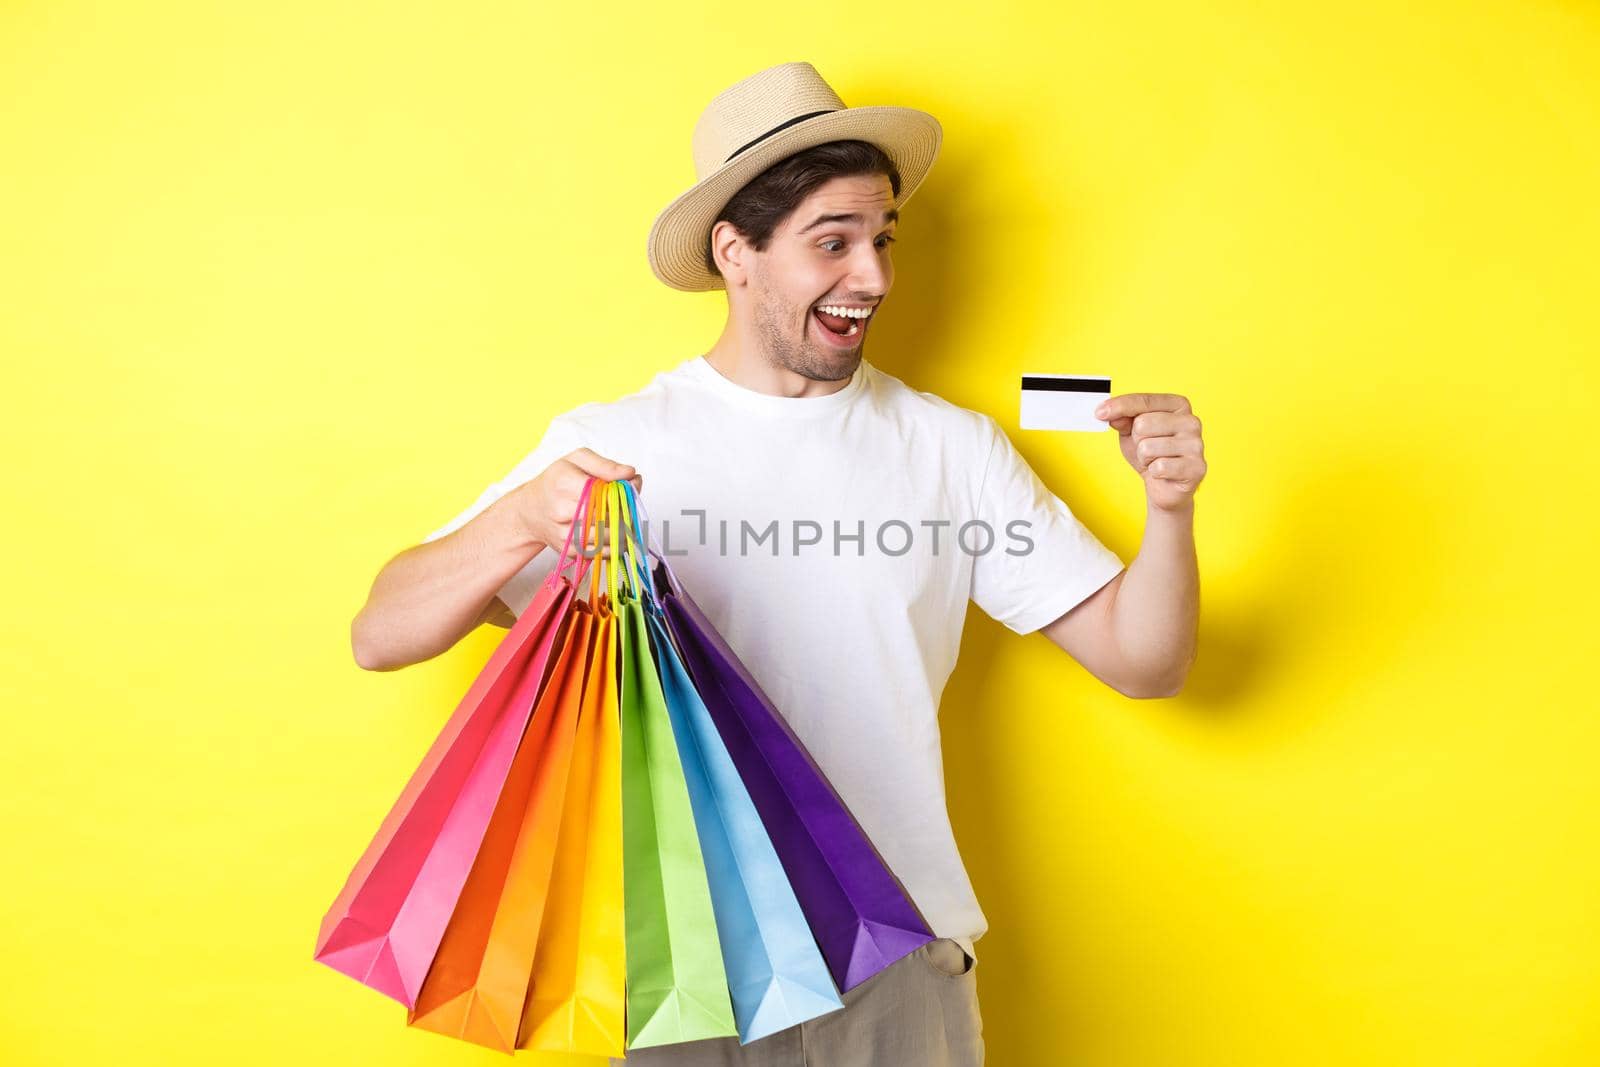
738	359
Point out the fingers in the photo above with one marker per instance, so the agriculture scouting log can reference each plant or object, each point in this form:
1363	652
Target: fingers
1185	470
1150	448
584	464
1159	423
559	497
1130	404
600	467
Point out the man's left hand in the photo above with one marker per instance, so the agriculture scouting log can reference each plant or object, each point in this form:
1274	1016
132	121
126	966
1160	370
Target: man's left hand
1160	438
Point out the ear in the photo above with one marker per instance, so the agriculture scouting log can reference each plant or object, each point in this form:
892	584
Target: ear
729	249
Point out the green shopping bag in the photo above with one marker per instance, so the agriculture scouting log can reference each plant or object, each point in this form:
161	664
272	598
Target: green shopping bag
677	988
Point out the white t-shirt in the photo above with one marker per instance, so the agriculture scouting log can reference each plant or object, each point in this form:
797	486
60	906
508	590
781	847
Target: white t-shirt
750	495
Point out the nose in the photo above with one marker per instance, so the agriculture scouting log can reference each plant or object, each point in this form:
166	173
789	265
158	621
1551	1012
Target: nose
870	273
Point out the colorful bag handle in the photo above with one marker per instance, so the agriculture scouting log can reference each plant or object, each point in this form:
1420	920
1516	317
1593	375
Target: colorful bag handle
637	550
595	518
614	561
611	513
650	554
579	522
616	506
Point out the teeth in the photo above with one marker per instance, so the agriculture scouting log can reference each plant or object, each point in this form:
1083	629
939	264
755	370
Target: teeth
847	313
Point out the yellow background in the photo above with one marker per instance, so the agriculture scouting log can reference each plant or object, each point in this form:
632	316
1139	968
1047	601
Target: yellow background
285	285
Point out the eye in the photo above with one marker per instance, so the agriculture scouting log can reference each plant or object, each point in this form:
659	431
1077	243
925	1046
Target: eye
885	239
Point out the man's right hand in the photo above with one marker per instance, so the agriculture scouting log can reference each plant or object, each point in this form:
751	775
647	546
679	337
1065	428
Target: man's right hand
546	506
427	597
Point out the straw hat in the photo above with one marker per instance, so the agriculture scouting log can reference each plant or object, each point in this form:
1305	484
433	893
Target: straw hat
755	123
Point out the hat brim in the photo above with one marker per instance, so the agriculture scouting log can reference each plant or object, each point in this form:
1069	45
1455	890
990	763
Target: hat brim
677	242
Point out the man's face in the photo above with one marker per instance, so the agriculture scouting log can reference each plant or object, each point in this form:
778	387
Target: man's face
814	260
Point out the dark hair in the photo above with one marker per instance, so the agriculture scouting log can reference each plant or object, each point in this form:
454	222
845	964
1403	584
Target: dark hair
774	194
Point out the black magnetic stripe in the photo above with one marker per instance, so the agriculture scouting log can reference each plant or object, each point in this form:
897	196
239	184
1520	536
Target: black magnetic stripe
1066	385
780	126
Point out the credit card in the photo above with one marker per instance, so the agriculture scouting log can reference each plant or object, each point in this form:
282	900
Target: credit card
1063	401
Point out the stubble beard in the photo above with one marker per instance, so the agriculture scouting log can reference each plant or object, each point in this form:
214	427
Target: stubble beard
804	358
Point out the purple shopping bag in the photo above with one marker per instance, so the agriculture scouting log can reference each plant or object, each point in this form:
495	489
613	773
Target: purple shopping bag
860	914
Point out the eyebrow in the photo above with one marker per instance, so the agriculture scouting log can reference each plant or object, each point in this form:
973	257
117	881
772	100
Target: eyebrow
892	215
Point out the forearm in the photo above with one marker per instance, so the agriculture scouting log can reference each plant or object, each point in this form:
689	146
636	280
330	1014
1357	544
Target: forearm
429	596
1155	617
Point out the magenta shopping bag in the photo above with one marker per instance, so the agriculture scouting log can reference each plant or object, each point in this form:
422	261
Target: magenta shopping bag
385	926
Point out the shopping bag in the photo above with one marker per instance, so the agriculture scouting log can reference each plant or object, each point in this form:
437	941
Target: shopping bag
384	926
677	987
478	983
579	979
776	976
858	911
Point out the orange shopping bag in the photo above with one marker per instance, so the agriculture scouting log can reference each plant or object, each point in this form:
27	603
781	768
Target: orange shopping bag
479	978
580	970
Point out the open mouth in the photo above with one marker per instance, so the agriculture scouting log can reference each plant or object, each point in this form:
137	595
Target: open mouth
839	330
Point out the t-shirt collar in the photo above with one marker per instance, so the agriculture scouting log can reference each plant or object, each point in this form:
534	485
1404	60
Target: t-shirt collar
777	406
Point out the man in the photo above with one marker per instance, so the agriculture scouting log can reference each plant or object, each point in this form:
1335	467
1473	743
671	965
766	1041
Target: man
831	522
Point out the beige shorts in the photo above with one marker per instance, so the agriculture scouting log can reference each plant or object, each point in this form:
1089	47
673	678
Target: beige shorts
921	1011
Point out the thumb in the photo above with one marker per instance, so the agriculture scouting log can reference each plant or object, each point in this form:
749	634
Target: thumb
600	467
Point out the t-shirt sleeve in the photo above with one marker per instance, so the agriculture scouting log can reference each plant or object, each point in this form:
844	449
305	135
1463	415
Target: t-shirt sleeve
1042	561
562	436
